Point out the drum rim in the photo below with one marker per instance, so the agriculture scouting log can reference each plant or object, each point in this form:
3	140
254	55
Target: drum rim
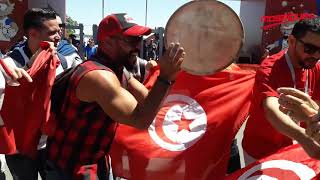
240	45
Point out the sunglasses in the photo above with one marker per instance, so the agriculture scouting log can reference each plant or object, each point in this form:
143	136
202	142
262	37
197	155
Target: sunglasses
309	48
131	39
63	25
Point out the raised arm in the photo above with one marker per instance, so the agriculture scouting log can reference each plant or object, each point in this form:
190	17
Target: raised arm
104	88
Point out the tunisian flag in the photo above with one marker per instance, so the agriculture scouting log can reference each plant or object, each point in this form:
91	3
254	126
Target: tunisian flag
288	163
191	136
26	108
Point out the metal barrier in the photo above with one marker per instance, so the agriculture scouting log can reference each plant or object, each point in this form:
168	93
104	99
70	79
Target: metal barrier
81	34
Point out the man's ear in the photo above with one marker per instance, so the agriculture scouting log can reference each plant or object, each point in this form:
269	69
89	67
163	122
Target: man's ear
33	33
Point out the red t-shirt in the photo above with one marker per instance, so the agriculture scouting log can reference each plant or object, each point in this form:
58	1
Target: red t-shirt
260	138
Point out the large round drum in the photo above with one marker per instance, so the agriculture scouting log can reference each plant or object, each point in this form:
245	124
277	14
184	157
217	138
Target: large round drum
210	32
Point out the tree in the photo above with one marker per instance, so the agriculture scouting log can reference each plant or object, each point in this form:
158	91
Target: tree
71	22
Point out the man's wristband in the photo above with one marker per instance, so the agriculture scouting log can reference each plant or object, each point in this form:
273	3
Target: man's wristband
165	81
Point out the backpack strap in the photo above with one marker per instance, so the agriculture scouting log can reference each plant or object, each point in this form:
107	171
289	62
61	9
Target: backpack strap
59	89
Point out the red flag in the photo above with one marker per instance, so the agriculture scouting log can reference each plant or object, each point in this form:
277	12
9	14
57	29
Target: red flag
26	108
7	143
152	77
191	136
288	163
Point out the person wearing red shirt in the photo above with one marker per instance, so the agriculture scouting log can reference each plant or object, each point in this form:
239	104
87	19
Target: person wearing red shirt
268	129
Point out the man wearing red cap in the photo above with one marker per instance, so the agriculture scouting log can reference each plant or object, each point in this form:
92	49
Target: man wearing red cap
100	95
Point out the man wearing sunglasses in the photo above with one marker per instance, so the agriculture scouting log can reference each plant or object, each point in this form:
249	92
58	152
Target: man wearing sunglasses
268	128
100	95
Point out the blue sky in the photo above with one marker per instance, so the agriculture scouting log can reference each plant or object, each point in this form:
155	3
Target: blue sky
90	12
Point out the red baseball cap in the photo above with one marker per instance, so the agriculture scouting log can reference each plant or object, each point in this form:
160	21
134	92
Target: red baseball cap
120	23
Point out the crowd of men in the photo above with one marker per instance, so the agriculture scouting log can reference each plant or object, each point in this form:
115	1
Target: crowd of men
101	94
106	90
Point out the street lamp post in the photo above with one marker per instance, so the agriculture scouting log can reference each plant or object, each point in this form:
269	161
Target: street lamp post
102	9
146	16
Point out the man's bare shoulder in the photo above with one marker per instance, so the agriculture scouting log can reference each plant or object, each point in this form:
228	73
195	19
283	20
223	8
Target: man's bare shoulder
95	82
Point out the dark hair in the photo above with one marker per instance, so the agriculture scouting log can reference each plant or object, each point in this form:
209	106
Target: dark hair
35	17
303	26
72	36
49	8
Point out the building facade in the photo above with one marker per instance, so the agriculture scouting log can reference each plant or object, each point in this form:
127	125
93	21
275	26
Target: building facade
260	29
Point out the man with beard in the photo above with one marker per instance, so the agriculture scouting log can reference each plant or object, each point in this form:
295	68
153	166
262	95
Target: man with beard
268	129
100	95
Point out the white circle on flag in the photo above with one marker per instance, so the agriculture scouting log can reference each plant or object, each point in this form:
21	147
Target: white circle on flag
301	170
183	125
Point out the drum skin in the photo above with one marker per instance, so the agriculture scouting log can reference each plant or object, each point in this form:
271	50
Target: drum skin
210	32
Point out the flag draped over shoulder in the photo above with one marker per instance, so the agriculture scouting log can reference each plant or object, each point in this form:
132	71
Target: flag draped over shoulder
26	108
191	135
288	163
